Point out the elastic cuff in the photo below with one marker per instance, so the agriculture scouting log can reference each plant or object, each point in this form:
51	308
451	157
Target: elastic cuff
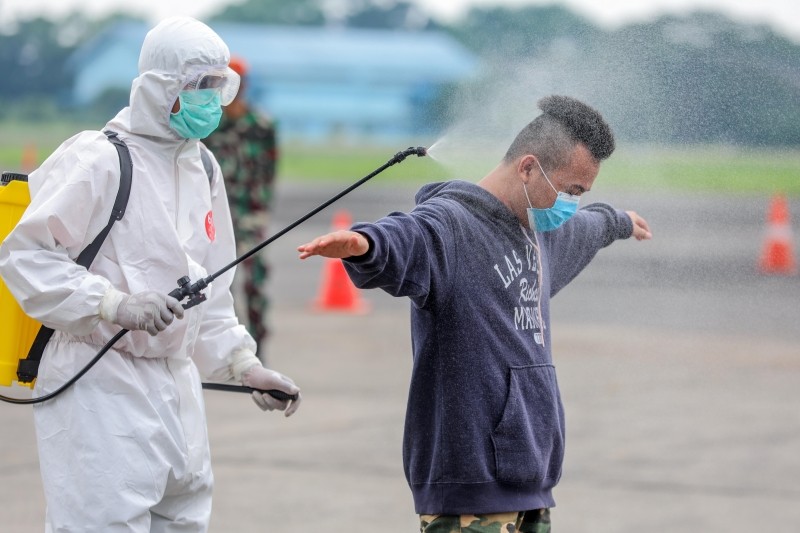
109	304
241	362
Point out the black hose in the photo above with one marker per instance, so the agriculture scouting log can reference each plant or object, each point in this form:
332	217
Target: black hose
277	394
73	379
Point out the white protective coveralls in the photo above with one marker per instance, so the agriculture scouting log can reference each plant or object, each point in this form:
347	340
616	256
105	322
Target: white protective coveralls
126	447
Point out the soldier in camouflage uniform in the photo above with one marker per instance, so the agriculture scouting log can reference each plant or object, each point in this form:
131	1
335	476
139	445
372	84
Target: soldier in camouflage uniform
245	146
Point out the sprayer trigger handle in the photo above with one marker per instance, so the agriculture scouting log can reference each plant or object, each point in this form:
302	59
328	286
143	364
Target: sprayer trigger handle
275	393
195	300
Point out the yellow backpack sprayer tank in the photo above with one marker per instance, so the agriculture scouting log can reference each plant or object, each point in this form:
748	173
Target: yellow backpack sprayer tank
17	330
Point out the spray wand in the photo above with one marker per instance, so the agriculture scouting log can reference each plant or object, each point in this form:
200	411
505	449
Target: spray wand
193	291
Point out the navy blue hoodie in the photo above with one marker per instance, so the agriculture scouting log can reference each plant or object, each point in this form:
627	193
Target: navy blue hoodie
484	429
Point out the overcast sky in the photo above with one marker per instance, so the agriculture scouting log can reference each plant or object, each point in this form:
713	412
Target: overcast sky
784	15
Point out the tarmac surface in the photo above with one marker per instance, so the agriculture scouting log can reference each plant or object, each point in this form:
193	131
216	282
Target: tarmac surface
679	365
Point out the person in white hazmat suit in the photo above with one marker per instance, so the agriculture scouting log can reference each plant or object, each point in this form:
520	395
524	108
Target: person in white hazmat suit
126	447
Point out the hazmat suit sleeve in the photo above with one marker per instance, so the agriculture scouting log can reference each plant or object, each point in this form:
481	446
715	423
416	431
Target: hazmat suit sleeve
222	340
72	193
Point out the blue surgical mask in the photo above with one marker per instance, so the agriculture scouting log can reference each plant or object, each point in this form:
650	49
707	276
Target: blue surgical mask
553	217
199	114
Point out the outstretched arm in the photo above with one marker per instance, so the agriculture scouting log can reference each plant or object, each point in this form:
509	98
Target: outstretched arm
404	254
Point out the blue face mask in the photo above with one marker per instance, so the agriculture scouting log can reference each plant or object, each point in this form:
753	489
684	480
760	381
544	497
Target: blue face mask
199	114
553	217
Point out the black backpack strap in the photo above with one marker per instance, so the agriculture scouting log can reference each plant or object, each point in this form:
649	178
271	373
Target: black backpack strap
118	211
28	368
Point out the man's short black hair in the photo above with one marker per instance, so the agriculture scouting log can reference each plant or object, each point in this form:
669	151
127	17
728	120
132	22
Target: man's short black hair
585	124
564	122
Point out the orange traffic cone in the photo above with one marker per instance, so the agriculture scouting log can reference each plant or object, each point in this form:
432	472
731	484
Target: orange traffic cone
337	292
29	158
777	256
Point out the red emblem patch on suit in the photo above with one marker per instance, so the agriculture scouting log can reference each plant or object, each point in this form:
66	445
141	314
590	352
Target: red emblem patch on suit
210	231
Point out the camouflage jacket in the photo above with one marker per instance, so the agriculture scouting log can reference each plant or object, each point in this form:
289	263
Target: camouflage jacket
247	152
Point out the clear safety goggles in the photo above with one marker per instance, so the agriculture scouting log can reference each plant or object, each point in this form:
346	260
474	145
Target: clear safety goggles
223	82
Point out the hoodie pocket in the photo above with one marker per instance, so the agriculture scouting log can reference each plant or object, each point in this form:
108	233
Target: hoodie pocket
529	440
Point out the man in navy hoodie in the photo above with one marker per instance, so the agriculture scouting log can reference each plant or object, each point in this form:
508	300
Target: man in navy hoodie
484	433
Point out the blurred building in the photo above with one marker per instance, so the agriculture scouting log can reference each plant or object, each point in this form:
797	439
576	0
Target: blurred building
317	82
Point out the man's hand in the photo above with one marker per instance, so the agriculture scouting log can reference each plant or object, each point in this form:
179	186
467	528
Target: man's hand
258	377
337	245
641	231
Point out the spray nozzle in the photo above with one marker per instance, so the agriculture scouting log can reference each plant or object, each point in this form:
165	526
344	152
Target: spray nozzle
419	151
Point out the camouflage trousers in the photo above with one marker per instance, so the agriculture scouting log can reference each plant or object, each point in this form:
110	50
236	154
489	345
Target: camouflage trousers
535	521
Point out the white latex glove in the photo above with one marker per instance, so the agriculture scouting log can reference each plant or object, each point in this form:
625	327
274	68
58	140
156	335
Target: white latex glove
148	310
258	377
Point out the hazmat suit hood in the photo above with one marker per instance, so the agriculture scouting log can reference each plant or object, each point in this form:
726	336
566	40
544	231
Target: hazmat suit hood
174	51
